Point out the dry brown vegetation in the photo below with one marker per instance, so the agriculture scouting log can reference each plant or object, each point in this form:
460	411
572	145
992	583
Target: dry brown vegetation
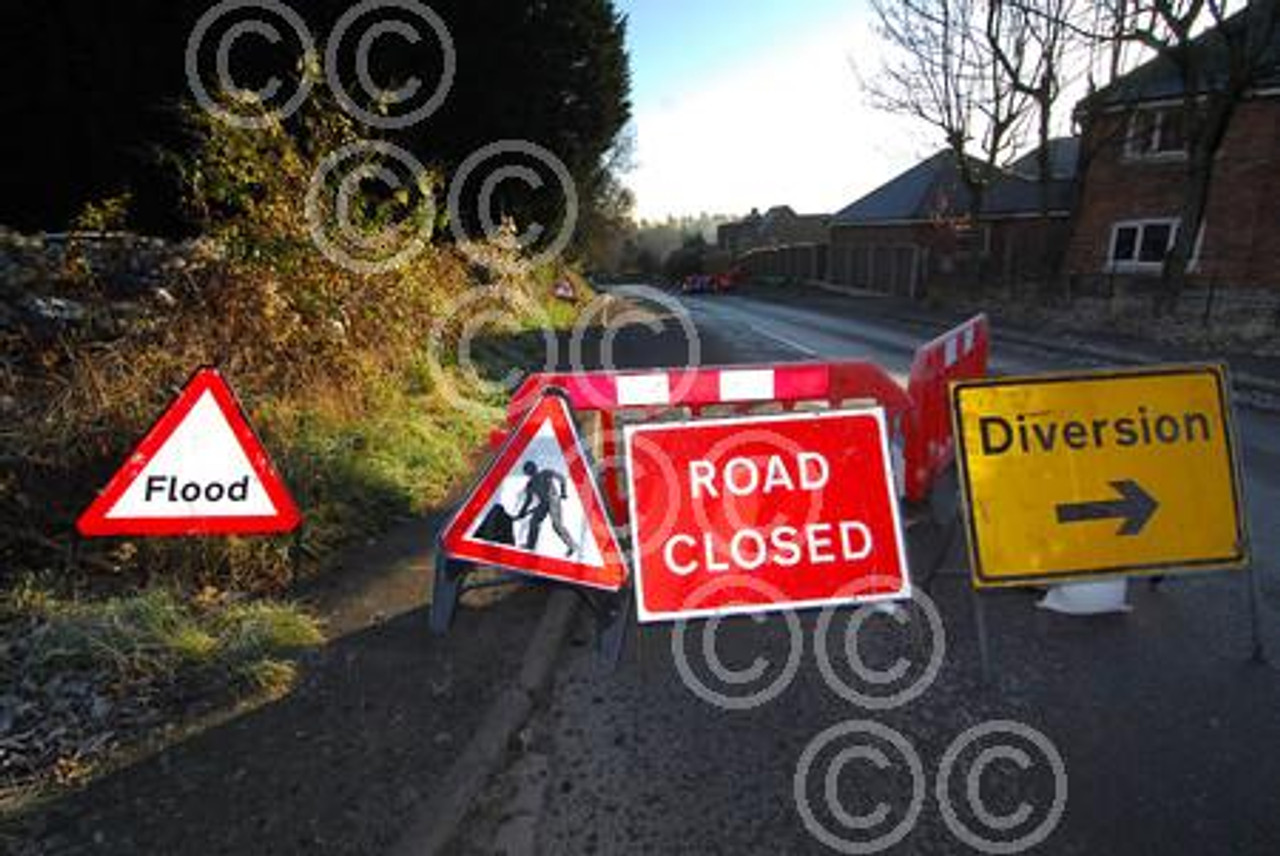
332	369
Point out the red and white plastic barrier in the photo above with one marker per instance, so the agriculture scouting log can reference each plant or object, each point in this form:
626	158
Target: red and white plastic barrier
918	416
700	387
956	355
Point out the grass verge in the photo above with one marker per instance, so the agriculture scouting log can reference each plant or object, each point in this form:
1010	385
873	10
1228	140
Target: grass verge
85	677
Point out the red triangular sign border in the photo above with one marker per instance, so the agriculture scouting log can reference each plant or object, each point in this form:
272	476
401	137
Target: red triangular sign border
454	542
95	523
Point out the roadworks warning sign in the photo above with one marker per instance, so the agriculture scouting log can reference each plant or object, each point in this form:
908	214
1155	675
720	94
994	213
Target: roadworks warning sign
538	509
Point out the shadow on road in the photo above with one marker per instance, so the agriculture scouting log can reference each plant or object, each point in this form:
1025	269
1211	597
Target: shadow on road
335	767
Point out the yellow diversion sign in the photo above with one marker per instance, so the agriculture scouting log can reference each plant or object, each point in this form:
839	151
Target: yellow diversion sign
1101	473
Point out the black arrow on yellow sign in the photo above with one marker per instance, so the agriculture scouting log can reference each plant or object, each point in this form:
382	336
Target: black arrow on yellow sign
1135	507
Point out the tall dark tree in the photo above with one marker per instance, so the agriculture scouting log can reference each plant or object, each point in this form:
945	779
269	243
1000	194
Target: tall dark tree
88	89
91	91
555	74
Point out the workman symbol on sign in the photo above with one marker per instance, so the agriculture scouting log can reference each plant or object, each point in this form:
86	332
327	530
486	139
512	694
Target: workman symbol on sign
548	489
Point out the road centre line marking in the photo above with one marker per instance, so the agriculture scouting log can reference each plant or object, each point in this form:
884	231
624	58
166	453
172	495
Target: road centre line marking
784	341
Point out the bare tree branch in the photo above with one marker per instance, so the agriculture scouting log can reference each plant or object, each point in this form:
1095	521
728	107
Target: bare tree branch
941	72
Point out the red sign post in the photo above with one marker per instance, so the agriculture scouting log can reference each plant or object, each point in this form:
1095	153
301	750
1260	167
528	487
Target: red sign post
799	509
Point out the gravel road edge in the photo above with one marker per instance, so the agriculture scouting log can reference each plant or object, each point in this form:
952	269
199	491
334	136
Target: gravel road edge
436	822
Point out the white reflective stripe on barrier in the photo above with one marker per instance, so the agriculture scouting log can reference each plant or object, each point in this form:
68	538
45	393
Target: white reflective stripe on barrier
754	385
643	390
710	386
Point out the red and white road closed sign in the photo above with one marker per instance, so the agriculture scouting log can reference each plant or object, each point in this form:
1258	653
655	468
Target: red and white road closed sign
763	513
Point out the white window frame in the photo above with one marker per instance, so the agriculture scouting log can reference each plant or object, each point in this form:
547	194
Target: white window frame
1113	265
1133	265
1193	263
1132	150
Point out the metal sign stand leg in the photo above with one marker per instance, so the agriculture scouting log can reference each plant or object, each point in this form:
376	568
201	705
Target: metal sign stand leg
446	587
612	629
296	552
980	624
73	553
1258	654
609	612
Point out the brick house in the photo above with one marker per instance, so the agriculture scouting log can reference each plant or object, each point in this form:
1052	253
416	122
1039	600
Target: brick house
780	226
1134	175
913	233
779	242
739	236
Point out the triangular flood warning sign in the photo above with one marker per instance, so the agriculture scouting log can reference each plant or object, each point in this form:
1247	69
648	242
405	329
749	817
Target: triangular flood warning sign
538	510
200	470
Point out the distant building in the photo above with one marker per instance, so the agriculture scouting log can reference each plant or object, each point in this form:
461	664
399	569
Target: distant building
915	232
778	243
1134	181
780	226
739	236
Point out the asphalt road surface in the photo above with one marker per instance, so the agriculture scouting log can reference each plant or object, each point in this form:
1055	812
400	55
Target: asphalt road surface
1149	732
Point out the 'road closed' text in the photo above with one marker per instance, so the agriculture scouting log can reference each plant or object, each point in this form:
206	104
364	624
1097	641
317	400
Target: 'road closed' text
748	549
763	513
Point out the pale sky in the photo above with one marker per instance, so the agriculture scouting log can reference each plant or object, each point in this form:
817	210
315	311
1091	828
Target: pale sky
753	103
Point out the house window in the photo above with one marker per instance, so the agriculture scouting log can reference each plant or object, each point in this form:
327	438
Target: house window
1156	133
1141	245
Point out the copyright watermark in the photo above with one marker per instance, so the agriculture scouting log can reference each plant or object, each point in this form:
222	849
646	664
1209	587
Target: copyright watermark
725	687
895	685
354	43
339	218
531	168
978	755
633	308
403	103
237	21
826	759
847	761
458	339
371	62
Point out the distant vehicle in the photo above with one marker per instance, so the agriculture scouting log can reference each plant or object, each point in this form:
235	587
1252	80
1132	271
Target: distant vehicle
707	283
695	284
